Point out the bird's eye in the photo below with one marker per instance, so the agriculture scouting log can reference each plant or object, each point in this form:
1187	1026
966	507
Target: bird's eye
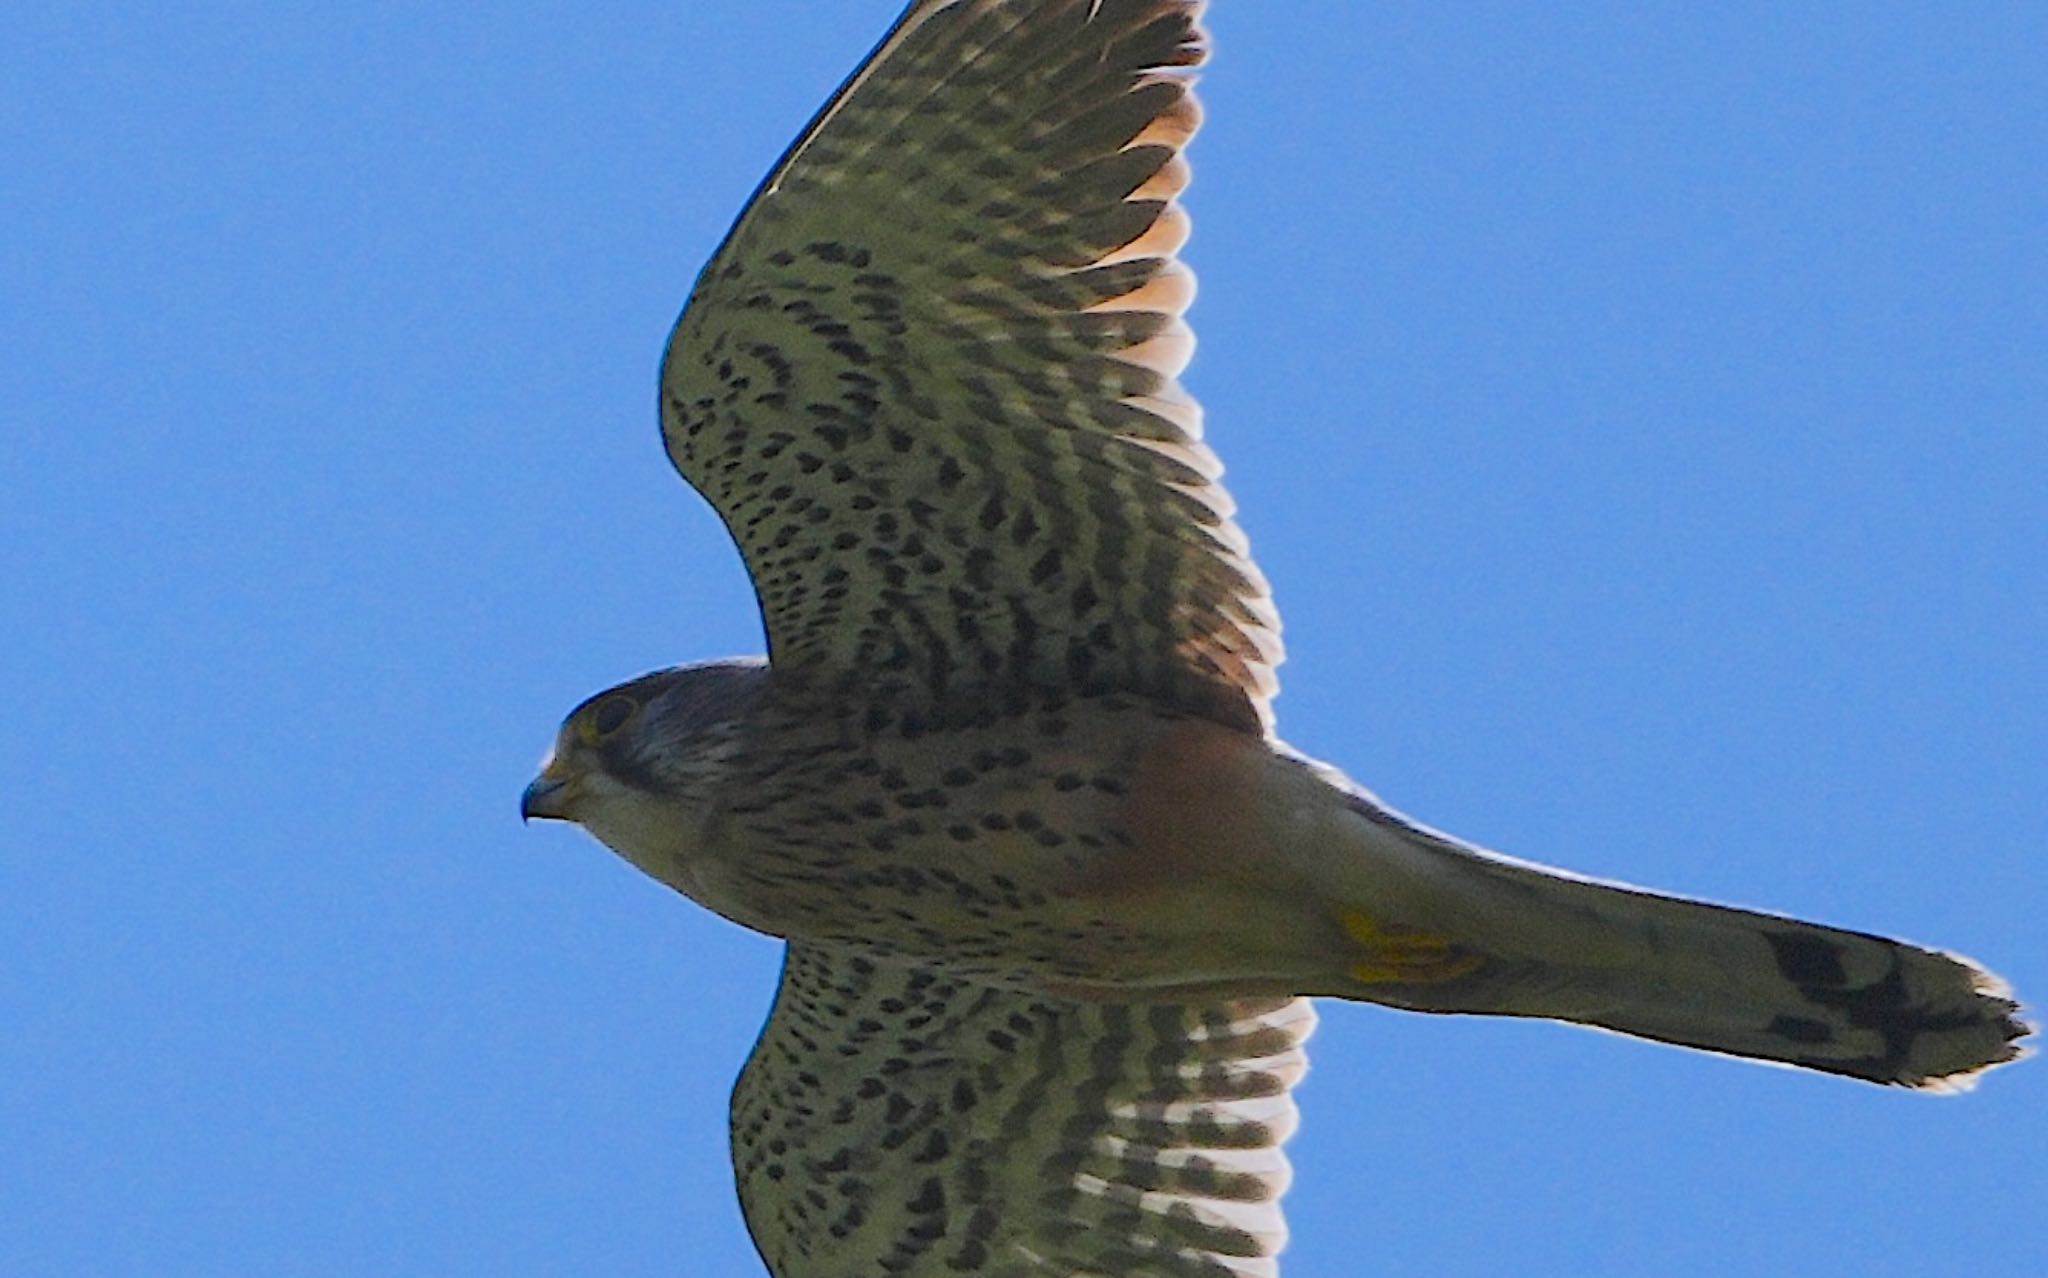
607	717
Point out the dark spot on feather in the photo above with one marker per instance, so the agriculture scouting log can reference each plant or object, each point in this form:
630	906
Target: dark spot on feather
1807	960
1798	1029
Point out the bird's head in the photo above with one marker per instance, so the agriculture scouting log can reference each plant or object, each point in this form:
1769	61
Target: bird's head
637	765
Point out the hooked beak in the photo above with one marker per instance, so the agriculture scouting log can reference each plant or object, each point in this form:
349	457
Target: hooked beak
547	797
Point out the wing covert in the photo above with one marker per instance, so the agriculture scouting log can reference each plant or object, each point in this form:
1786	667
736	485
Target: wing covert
895	1120
929	380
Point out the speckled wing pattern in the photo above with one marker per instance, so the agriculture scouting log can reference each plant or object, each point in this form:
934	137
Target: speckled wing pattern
895	1121
929	380
929	383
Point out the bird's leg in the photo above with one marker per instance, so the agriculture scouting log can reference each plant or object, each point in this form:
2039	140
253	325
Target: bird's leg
1406	958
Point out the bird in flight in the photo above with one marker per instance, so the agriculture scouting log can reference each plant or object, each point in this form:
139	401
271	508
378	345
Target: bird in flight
1054	892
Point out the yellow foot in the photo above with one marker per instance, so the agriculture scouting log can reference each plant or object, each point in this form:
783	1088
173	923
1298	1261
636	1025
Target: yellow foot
1405	957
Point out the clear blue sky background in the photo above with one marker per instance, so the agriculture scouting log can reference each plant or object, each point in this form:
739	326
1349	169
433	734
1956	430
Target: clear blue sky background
1642	412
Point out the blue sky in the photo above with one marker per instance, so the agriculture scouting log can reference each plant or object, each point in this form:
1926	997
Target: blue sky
1641	410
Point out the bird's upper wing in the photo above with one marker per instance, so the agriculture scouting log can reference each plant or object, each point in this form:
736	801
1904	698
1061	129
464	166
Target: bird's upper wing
929	380
895	1120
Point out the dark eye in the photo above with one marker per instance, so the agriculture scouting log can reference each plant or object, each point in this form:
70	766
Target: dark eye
611	714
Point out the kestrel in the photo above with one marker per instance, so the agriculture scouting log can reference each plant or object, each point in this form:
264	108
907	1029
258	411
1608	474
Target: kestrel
1054	892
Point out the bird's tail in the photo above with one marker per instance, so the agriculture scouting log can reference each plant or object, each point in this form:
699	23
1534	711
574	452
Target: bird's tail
1444	927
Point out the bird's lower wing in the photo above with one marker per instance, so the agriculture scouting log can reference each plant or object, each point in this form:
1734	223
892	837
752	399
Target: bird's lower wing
895	1120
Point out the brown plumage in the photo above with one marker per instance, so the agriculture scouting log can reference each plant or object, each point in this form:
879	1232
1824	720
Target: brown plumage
1008	783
